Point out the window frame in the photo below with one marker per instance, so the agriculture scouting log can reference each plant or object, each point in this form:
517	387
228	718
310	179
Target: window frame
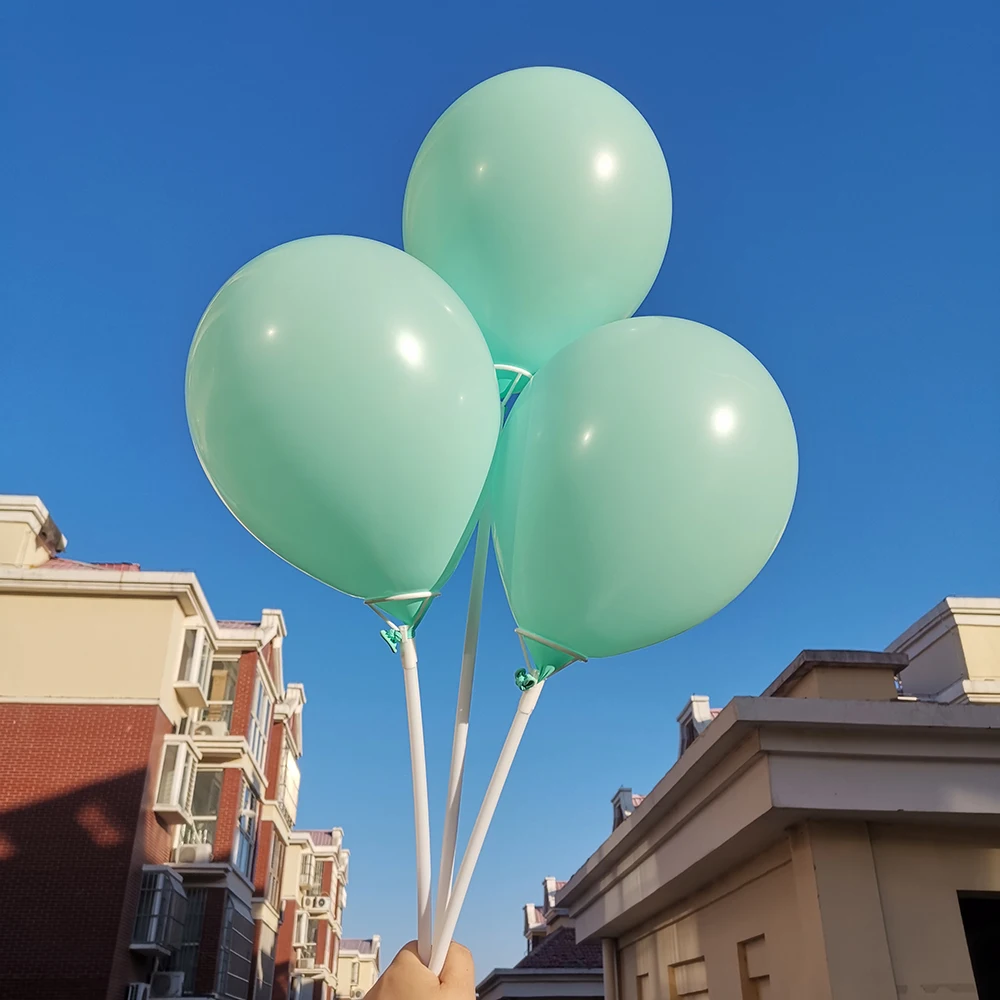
174	802
287	793
195	665
275	870
160	910
227	951
221	709
191	833
247	830
259	723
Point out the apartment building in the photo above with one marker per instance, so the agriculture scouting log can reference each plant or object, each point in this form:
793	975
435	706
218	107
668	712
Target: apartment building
358	966
313	897
149	783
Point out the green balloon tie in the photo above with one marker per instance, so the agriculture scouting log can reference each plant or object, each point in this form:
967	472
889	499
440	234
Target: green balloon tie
525	680
391	637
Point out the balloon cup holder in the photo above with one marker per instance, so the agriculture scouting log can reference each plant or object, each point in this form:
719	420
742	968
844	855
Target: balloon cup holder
393	634
530	675
511	381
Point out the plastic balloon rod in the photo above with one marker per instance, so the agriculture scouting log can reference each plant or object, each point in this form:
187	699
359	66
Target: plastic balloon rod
421	809
462	714
446	927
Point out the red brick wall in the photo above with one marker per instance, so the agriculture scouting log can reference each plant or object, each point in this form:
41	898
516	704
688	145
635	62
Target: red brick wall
275	744
229	804
263	866
323	944
73	834
152	845
284	953
246	678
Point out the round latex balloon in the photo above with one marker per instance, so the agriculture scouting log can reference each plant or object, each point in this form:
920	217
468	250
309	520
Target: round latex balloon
542	197
641	482
343	404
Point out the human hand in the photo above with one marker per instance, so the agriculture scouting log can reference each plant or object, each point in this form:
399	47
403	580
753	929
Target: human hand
409	979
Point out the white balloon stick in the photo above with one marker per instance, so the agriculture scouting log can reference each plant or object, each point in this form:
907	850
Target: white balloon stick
462	713
421	809
446	927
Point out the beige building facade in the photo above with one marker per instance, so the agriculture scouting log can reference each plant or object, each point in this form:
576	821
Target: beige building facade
837	838
358	966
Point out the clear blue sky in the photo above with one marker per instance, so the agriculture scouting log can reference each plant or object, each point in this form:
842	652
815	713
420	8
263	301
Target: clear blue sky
835	209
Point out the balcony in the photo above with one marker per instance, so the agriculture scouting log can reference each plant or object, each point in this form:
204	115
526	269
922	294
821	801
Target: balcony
212	736
306	958
159	916
177	770
189	694
192	680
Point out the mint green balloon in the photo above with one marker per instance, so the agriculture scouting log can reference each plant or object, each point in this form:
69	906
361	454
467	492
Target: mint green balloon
542	197
641	482
343	404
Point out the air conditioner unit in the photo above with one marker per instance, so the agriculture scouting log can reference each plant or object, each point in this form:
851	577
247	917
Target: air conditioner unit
305	962
166	984
215	729
193	854
316	902
137	991
357	994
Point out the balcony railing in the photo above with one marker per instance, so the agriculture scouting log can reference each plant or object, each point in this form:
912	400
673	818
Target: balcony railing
201	831
218	712
307	956
282	805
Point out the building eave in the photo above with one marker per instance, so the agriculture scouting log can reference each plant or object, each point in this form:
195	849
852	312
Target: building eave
787	728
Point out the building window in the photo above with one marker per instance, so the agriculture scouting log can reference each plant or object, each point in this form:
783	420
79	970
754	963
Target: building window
235	951
981	921
301	927
313	885
185	958
355	972
311	875
196	658
204	807
160	913
246	830
221	693
275	869
288	786
173	793
260	720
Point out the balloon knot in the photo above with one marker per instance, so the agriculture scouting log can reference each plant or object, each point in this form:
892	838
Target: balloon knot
391	637
526	680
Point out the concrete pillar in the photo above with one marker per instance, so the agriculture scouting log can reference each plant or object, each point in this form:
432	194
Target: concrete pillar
609	953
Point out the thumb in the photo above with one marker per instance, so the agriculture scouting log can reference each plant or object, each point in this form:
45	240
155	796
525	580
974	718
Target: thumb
458	977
